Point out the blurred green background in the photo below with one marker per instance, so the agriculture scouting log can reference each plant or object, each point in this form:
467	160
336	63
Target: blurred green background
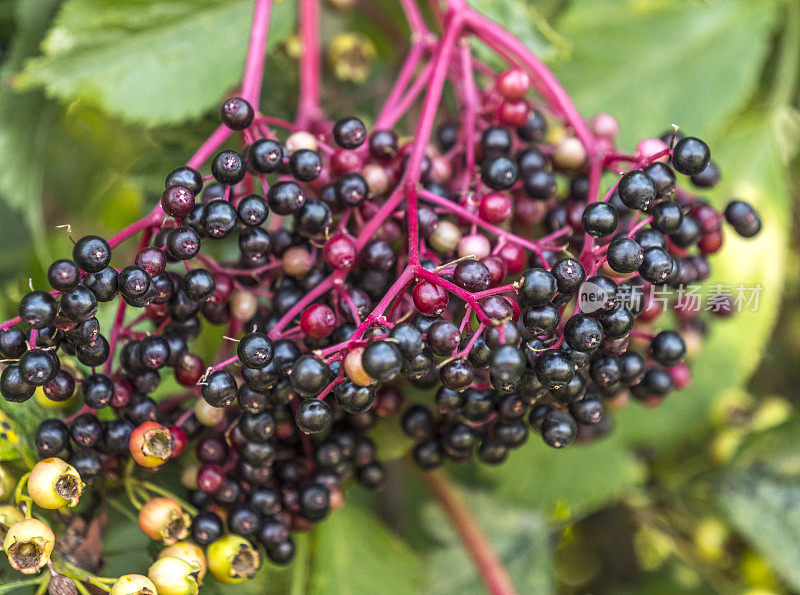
99	99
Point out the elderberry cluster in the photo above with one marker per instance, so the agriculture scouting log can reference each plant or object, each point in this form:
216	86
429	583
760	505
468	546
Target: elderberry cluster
489	337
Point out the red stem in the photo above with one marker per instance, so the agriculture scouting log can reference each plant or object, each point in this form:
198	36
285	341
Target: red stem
309	103
256	54
489	566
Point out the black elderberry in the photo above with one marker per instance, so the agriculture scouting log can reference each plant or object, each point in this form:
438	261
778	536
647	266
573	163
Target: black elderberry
708	178
314	500
663	177
103	283
554	368
91	253
228	167
37	309
354	398
569	275
313	416
506	367
599	219
668	348
667	216
447	136
187	177
12	343
587	410
690	156
624	255
305	165
219	388
309	376
313	219
636	190
87	463
743	218
383	144
496	140
86	430
255	350
253	210
98	391
52	438
219	218
38	366
78	304
457	374
349	133
541	320
265	156
351	189
207	527
237	113
285	197
539	184
656	266
13	386
534	129
199	285
63	274
558	428
499	172
382	360
428	454
133	282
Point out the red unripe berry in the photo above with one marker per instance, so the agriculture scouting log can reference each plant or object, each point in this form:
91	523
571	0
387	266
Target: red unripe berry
340	251
649	147
429	299
343	162
513	84
514	113
179	440
122	392
210	478
495	207
707	218
317	321
710	242
157	313
497	268
189	370
681	376
529	212
605	126
223	288
514	257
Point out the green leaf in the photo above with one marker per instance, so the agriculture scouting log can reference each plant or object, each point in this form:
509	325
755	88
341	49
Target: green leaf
25	122
766	511
752	170
172	60
519	536
569	482
355	553
527	23
652	63
776	450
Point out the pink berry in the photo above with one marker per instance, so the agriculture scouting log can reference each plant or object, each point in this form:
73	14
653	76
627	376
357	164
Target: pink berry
495	207
475	244
340	252
429	299
317	321
513	84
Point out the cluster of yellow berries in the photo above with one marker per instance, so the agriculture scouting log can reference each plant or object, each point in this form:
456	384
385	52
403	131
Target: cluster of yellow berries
180	568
